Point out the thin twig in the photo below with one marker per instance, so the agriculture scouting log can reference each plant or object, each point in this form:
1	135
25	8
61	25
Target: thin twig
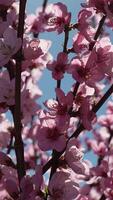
10	144
76	88
101	23
44	5
66	37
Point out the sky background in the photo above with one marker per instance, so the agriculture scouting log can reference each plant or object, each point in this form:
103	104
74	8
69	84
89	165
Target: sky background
46	83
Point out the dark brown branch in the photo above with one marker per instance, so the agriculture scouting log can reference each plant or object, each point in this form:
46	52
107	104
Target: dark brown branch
11	69
99	29
76	88
101	23
21	18
44	5
10	144
19	149
51	162
103	99
66	37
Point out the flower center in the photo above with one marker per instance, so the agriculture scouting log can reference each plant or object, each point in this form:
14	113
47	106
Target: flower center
53	133
62	109
60	68
54	21
84	73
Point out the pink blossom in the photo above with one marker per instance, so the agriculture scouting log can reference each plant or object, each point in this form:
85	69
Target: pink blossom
101	5
50	136
64	100
61	187
8	175
26	187
3	193
80	44
89	74
11	187
30	186
106	120
86	114
102	135
109	107
6	2
81	197
100	170
58	67
38	176
59	109
32	49
6	160
73	157
41	62
13	13
85	23
95	66
54	18
98	148
9	45
36	53
32	24
3	26
29	156
7	95
4	132
98	4
30	93
62	106
82	104
104	56
53	128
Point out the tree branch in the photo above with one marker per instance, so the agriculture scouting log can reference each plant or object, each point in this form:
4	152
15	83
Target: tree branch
66	37
99	29
19	149
44	5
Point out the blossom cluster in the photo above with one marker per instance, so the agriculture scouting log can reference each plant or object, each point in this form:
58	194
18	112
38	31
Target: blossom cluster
54	135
